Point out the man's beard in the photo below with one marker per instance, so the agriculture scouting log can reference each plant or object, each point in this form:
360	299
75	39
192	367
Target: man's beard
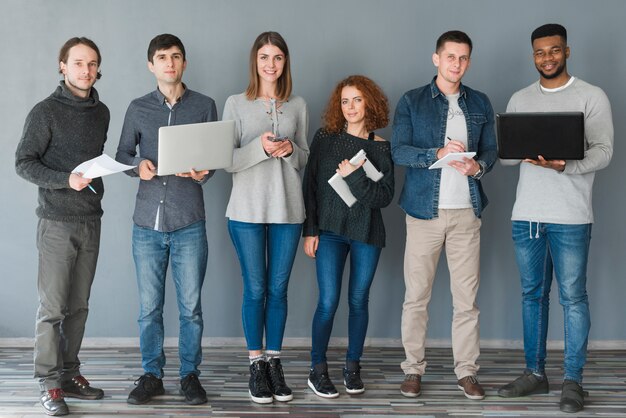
557	73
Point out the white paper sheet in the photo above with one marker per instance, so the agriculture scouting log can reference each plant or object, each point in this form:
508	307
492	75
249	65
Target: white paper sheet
453	156
101	166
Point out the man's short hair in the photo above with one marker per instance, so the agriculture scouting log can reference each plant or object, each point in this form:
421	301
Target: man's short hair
453	36
549	29
64	52
164	41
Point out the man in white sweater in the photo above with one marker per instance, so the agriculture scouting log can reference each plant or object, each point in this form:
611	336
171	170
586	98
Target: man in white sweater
552	218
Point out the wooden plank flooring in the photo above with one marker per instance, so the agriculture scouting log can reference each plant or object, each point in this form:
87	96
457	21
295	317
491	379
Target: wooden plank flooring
225	373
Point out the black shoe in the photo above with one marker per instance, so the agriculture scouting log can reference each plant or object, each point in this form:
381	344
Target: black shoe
148	386
572	397
276	381
320	383
192	389
258	386
53	402
526	384
80	388
352	378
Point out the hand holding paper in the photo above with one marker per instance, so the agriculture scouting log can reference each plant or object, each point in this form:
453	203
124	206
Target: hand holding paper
100	166
454	156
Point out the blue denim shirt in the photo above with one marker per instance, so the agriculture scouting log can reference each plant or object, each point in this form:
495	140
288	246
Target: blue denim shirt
419	129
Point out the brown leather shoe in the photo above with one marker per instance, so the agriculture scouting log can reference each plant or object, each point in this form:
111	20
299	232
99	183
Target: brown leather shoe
471	388
412	386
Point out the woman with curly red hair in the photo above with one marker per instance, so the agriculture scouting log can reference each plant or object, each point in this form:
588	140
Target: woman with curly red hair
332	229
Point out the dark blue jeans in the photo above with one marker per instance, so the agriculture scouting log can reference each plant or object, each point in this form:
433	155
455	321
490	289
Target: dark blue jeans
152	250
330	260
541	249
266	253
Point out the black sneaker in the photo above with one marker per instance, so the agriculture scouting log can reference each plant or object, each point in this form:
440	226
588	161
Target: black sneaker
80	388
276	381
148	386
320	383
352	378
192	389
572	397
53	402
526	384
258	386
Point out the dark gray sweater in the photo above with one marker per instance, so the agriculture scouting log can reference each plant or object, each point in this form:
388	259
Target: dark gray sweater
325	210
61	132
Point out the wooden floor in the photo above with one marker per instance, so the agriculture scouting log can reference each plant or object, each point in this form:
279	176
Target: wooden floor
224	376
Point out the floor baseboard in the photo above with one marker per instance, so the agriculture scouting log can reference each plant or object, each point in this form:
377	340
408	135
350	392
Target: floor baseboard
104	342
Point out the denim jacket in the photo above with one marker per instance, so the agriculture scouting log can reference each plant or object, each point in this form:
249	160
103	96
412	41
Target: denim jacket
419	129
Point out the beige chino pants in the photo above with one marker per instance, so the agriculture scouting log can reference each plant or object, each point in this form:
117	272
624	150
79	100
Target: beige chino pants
458	230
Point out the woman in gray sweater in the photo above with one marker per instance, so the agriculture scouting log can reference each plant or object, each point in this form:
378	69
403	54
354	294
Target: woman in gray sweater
266	209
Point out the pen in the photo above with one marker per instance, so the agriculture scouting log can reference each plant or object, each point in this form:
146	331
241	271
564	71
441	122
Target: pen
92	189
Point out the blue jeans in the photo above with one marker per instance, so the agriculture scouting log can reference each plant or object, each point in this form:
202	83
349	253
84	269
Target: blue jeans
187	247
266	253
330	259
540	249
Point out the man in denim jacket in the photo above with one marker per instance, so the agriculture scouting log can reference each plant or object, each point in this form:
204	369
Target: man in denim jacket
443	206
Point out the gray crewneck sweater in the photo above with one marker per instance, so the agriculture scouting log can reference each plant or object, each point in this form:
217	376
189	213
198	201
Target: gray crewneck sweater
266	189
545	195
61	132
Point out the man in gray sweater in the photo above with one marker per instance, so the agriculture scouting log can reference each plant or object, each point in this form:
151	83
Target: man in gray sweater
552	218
62	131
168	222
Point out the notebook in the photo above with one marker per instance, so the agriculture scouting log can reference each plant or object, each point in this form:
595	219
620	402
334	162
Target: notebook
341	187
201	146
553	135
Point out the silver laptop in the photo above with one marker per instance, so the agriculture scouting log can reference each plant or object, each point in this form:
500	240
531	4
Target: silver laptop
201	146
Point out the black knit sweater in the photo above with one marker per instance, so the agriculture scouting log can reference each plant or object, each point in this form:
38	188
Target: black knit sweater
61	132
325	210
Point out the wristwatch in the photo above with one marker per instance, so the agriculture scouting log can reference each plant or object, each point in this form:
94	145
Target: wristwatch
479	173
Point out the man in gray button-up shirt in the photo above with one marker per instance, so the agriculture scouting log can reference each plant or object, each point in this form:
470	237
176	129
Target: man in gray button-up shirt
168	221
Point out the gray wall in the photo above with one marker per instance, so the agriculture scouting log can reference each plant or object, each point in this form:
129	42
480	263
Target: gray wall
390	41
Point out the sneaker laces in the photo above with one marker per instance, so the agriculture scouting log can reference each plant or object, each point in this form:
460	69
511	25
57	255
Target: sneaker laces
411	377
276	375
56	394
324	379
142	380
81	381
472	380
260	380
190	381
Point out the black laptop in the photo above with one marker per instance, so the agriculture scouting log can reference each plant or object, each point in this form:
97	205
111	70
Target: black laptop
553	135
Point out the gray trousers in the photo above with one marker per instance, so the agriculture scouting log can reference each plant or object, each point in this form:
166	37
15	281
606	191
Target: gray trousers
68	252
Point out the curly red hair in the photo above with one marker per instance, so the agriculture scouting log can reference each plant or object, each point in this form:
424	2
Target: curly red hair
376	105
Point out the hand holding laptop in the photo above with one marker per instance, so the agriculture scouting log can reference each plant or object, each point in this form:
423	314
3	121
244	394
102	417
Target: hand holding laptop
558	165
146	169
196	175
345	168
